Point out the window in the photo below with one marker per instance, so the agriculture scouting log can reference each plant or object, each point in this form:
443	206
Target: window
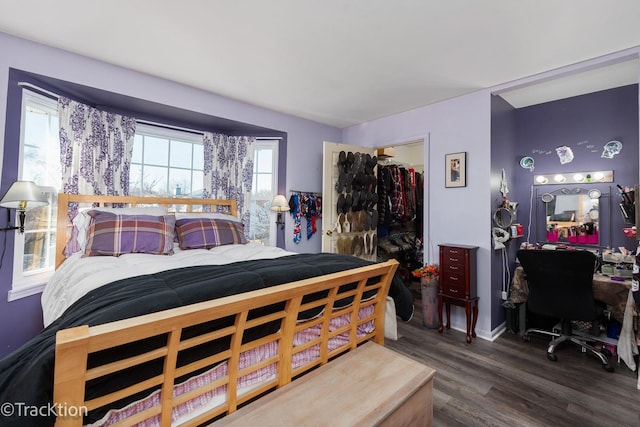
166	163
34	251
264	189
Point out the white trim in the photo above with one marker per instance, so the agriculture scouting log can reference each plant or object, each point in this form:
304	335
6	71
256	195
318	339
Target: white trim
171	133
272	144
25	291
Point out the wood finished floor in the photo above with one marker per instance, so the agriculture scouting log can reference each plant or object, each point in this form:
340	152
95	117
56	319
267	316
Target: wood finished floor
510	382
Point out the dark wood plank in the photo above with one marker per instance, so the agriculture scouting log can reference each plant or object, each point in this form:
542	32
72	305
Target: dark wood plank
510	382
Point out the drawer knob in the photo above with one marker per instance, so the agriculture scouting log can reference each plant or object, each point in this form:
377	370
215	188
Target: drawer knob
453	267
453	278
453	291
453	259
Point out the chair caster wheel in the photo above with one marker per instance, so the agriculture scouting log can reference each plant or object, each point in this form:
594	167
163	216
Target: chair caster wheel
526	338
608	368
552	357
606	352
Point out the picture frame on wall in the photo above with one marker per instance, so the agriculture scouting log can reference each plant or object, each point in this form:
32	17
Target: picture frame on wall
455	166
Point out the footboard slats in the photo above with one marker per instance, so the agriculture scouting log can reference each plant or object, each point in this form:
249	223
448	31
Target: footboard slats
236	343
124	392
123	364
291	338
169	370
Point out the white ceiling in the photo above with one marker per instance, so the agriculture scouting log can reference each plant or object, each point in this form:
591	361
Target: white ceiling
339	62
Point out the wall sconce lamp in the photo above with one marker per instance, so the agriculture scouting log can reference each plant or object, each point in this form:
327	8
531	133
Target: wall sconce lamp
22	196
279	205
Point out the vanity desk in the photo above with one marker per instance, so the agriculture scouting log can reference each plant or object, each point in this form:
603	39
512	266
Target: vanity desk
458	273
616	294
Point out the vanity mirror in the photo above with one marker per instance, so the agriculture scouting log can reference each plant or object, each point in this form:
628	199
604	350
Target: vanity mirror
572	216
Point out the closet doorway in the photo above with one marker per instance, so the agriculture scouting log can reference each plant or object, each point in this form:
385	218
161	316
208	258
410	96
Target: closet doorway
400	229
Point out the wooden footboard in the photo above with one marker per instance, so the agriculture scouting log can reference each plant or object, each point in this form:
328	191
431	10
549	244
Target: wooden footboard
75	347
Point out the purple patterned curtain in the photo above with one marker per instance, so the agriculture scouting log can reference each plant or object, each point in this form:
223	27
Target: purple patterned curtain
228	171
95	149
95	152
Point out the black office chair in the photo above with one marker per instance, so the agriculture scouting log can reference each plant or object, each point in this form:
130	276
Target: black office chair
561	286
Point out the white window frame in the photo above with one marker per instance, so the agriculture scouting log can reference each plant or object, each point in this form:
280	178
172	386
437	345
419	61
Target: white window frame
170	134
24	284
274	145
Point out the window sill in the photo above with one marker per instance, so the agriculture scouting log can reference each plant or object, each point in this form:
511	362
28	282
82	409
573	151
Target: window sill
25	291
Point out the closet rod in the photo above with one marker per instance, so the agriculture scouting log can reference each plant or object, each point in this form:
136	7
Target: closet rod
39	89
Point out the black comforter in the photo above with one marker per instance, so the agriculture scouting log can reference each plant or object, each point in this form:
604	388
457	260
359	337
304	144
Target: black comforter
26	376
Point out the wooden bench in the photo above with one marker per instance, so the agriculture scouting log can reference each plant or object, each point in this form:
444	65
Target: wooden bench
370	386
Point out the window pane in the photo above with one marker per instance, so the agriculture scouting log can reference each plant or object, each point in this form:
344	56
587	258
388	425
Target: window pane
135	180
136	154
33	164
260	224
198	156
181	154
265	161
263	184
40	218
155	181
156	151
36	250
198	179
36	129
179	182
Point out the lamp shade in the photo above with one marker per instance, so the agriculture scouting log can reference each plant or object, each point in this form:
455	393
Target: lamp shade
279	204
23	195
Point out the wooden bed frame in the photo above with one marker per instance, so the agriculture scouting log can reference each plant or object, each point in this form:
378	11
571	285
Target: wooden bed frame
75	345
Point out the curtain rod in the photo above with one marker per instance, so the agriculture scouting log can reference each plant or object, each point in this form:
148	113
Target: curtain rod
39	89
147	122
164	125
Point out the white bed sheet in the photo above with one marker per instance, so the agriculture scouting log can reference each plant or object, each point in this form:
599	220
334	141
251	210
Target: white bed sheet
77	276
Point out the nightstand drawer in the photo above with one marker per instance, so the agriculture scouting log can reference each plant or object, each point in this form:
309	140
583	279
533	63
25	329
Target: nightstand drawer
448	268
453	290
453	255
453	284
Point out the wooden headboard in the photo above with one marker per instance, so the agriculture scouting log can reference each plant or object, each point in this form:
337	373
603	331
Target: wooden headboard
63	227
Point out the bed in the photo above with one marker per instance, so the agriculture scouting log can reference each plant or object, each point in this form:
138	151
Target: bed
193	339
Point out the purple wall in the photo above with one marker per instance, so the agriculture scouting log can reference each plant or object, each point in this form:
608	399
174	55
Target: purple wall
585	124
503	135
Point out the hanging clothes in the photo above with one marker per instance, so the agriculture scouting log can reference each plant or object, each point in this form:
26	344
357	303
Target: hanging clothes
309	206
398	196
294	209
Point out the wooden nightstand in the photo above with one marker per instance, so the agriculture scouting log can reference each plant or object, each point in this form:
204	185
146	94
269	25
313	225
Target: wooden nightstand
458	284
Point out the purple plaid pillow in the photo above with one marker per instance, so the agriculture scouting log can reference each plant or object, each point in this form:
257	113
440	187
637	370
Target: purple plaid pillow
205	233
111	234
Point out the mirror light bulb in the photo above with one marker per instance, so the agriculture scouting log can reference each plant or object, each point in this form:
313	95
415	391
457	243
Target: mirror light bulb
578	177
559	178
541	179
598	176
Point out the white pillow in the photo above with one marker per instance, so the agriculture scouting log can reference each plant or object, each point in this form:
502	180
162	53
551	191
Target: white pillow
82	219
